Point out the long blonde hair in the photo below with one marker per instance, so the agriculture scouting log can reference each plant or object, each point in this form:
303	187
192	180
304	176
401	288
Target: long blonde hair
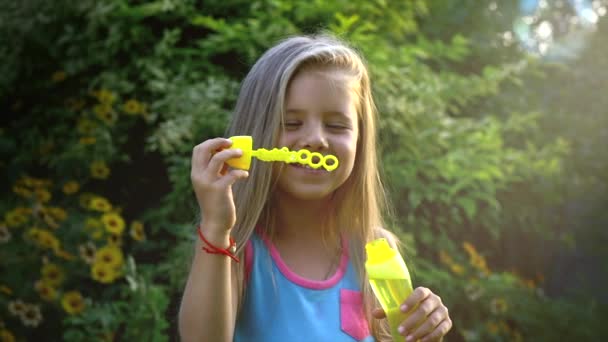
361	201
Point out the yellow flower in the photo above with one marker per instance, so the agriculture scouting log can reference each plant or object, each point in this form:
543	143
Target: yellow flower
104	96
100	170
42	195
137	231
105	113
85	199
22	191
64	254
52	274
133	107
58	213
74	104
87	140
31	315
17	216
492	328
45	290
58	76
85	126
72	302
44	238
445	258
95	227
99	203
6	290
113	222
6	336
103	273
71	187
115	240
457	269
87	252
109	255
475	259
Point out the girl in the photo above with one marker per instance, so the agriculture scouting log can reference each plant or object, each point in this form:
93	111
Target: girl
301	232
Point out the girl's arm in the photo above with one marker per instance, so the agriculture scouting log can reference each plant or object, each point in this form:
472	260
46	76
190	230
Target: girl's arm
209	305
208	308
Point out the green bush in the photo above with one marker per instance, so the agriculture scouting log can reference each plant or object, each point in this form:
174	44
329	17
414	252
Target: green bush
107	99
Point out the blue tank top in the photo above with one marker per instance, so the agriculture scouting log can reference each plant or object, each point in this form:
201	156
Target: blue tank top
280	305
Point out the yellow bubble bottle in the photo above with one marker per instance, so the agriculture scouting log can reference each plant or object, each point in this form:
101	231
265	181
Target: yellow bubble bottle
390	281
313	159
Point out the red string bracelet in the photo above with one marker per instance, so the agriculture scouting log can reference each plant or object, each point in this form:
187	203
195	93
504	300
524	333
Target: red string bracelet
211	249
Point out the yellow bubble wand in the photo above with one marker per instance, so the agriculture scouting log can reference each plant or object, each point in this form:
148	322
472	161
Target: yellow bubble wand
313	159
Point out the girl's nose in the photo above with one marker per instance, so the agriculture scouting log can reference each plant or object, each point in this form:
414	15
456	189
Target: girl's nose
314	139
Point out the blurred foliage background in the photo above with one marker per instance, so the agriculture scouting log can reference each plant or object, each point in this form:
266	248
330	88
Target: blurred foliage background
494	116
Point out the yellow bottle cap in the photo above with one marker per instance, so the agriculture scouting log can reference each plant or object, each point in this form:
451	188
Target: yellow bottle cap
379	251
245	143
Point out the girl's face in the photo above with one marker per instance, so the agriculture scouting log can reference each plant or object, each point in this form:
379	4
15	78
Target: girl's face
321	117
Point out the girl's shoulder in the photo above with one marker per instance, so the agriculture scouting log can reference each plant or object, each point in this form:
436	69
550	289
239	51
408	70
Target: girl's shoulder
383	233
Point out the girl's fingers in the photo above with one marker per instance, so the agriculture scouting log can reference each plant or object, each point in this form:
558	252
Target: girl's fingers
417	296
378	313
431	323
231	177
439	332
216	164
202	153
420	313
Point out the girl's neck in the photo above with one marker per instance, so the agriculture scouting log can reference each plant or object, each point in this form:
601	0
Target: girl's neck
301	219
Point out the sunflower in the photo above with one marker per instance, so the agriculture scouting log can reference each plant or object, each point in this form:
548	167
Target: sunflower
45	290
94	227
99	203
17	216
44	238
72	302
105	113
105	96
103	273
74	104
87	140
137	231
115	240
6	336
22	191
71	187
52	274
133	107
85	126
109	255
113	222
6	290
100	170
58	76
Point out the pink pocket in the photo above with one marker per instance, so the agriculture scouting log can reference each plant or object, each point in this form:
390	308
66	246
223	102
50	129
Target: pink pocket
352	318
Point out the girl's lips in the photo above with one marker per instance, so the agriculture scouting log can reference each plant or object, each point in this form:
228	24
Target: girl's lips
308	169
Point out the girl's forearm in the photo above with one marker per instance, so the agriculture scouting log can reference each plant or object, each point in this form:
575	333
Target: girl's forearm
208	307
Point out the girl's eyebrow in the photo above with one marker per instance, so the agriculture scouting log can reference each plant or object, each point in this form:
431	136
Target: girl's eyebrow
329	112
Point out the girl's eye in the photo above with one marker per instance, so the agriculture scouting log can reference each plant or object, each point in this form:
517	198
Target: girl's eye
291	124
336	126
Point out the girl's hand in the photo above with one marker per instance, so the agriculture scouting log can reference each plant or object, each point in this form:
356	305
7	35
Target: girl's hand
212	182
427	317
